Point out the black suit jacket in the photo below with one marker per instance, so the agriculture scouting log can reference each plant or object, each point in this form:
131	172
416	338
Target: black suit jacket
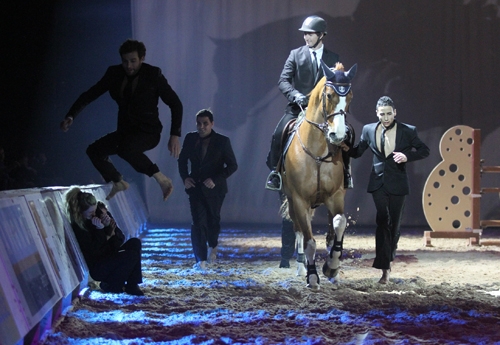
385	171
140	111
297	75
218	164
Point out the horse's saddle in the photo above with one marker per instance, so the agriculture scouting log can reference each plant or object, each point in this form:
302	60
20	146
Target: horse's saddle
287	136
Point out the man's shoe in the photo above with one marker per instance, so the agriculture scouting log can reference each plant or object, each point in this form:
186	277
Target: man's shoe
108	288
284	263
133	289
274	181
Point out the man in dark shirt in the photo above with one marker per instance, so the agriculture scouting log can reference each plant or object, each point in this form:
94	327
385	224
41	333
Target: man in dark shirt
136	87
206	161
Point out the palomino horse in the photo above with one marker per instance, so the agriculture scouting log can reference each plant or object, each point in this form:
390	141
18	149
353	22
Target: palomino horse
314	169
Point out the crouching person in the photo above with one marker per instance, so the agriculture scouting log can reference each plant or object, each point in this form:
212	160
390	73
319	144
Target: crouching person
114	262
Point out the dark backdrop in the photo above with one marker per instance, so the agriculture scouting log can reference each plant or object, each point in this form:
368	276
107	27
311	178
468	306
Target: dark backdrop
438	60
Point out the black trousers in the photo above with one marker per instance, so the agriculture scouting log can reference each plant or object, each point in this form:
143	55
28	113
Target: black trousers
287	236
122	267
389	213
291	112
205	229
129	146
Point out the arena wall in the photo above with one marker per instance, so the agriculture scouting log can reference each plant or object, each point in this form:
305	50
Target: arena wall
42	269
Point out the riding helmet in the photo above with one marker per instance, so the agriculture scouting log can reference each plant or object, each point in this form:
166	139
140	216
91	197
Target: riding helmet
314	24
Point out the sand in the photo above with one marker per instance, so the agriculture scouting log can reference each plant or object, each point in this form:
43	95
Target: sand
445	294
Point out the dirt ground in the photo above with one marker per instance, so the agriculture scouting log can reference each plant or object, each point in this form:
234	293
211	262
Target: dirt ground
445	294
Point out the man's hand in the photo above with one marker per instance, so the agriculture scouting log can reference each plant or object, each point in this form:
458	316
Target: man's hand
66	123
209	183
301	100
344	146
399	157
174	146
189	183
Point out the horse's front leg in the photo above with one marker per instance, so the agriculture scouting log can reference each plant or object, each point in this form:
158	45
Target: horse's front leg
302	223
331	267
301	258
312	277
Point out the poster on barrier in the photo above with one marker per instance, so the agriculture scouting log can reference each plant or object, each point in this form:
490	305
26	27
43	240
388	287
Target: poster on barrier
25	260
51	227
12	322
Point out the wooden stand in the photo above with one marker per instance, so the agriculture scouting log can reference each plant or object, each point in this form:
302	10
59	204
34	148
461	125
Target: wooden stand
485	223
452	192
474	236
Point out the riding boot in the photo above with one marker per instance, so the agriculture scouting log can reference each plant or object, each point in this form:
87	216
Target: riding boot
274	152
273	157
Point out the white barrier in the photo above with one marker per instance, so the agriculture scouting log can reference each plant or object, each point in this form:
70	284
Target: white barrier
42	268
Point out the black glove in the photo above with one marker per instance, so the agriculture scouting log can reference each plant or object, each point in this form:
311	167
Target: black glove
301	100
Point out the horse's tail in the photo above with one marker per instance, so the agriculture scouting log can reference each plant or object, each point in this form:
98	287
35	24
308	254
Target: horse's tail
284	209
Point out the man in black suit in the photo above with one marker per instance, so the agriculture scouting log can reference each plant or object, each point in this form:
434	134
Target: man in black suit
393	144
136	87
212	162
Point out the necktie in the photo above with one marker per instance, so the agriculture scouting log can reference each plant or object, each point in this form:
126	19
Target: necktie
382	141
315	65
382	137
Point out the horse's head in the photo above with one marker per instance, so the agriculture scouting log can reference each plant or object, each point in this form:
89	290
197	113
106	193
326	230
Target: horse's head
334	100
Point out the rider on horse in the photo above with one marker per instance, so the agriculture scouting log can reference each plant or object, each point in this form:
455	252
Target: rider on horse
300	75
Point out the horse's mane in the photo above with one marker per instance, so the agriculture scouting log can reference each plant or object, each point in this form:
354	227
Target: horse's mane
314	97
339	67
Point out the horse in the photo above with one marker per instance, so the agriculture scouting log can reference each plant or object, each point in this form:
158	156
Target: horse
313	170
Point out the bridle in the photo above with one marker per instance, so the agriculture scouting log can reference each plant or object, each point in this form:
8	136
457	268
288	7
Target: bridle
323	127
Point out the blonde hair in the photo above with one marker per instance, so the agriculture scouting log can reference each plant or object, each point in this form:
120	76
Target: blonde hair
78	202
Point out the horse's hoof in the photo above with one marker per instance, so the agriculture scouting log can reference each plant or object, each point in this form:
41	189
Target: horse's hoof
313	282
312	278
330	272
334	280
314	288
